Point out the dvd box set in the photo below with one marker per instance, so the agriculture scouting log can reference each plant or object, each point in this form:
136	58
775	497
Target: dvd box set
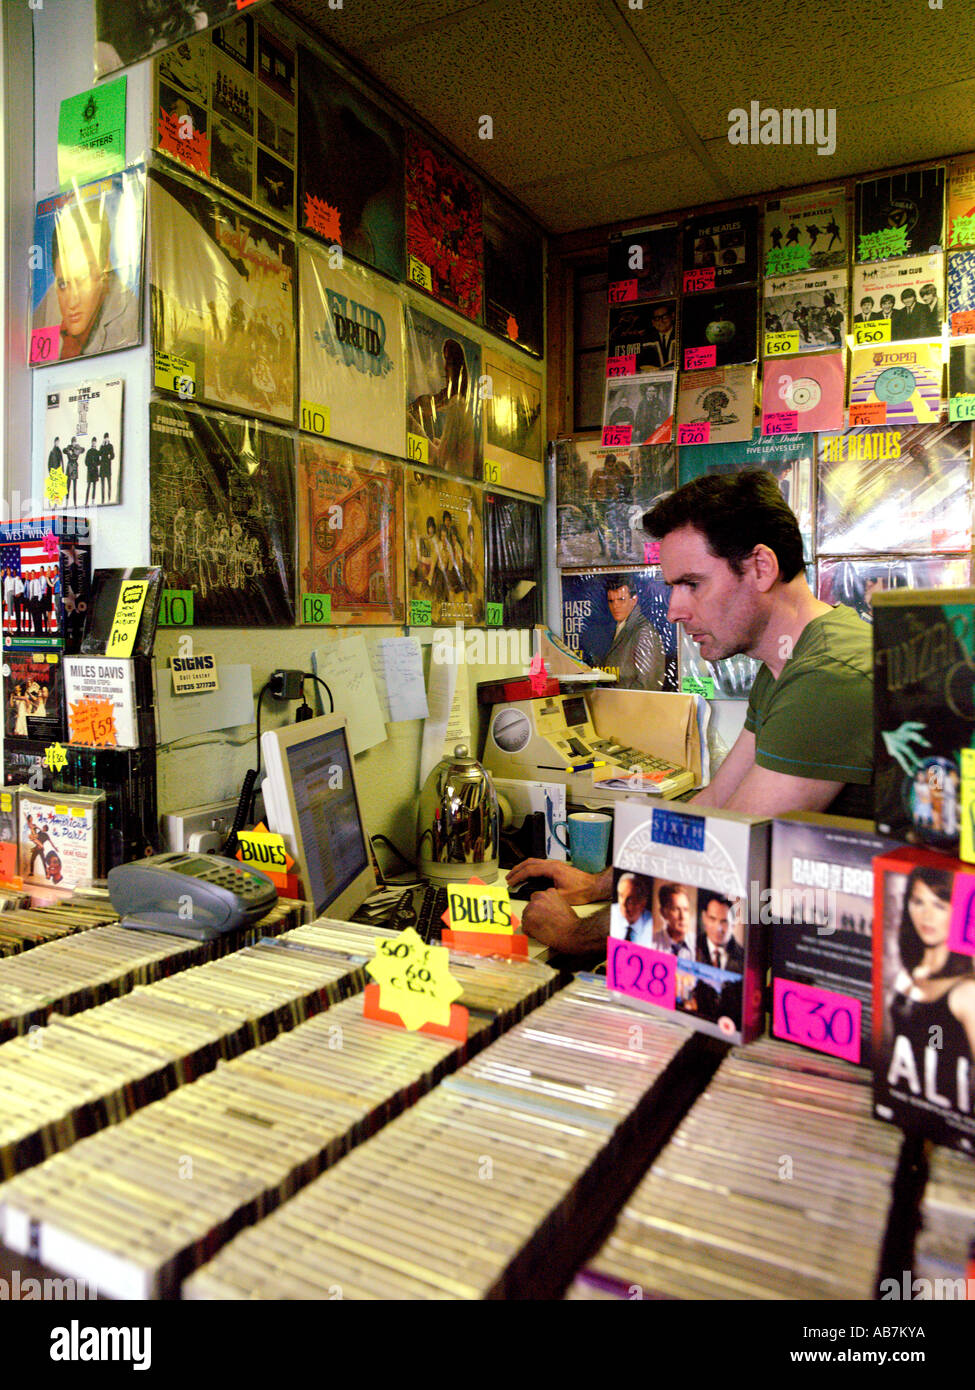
46	574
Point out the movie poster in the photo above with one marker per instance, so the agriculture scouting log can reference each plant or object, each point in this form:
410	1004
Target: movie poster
444	551
854	582
513	425
221	519
443	406
617	621
900	214
350	533
86	273
644	264
790	458
129	30
638	410
223	302
350	168
806	231
83	445
602	495
444	237
513	266
513	561
352	352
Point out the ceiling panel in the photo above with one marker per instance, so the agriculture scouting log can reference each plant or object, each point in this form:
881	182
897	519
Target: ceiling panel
360	23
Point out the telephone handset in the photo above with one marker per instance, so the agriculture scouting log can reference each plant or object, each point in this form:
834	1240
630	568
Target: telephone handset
201	896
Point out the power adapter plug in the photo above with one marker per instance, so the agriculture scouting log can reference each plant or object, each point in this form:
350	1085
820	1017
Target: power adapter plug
286	685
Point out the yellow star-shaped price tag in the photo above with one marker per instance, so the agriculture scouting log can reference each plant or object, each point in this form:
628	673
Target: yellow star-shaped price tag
414	979
55	757
56	486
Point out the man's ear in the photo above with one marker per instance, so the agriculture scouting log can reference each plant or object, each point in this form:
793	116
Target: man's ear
766	567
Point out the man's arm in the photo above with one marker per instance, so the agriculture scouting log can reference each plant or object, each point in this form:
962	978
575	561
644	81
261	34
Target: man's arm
741	785
738	763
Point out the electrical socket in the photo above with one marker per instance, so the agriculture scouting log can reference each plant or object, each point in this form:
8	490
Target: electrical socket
199	828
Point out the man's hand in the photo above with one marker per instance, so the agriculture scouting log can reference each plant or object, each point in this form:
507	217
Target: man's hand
574	885
550	919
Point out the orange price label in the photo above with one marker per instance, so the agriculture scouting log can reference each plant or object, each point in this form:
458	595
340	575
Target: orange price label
322	218
868	413
92	722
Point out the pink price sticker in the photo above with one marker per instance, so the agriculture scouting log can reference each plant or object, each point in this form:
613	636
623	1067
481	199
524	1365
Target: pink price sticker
651	552
621	366
617	436
817	1018
642	973
781	422
694	434
621	291
961	933
695	280
45	345
700	357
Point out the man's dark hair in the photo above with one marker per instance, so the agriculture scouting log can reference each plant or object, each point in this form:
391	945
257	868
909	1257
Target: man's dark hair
709	896
734	512
668	893
619	581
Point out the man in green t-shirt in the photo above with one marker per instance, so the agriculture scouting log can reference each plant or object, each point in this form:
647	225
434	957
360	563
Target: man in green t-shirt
731	553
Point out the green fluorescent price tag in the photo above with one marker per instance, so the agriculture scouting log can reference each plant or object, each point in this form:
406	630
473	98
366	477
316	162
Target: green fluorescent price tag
417	448
176	608
421	612
961	408
784	260
316	608
690	686
495	614
877	246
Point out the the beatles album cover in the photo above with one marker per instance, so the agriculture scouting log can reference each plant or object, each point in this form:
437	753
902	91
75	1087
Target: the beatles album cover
350	168
638	410
961	292
643	652
716	407
854	582
719	330
513	261
899	385
961	201
513	444
350	532
802	394
790	458
644	264
443	405
642	337
907	294
444	551
222	511
129	30
513	560
86	273
602	495
900	214
444	237
811	309
33	690
82	464
352	351
223	301
806	231
720	249
878	487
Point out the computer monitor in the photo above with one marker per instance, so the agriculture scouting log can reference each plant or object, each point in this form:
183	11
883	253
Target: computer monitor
310	798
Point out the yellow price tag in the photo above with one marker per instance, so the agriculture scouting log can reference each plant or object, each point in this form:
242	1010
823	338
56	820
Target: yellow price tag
315	418
128	614
6	801
779	344
56	486
420	274
492	471
414	979
966	849
876	332
174	373
263	850
417	448
477	908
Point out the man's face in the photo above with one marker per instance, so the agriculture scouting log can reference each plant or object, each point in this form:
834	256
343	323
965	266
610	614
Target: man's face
887	304
621	603
908	299
662	319
929	297
678	916
80	288
717	922
632	900
718	608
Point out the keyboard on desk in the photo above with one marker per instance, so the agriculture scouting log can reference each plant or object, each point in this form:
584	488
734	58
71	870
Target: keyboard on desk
420	906
668	779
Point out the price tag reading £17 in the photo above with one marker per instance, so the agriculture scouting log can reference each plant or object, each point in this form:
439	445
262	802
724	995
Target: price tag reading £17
414	980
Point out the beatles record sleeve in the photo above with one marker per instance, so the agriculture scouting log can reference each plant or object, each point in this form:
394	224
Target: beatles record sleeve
643	655
720	249
513	561
443	403
444	238
854	582
638	410
223	301
129	30
644	264
82	461
444	551
806	231
86	276
900	214
719	330
909	486
716	407
961	292
961	201
803	393
33	695
602	495
513	424
790	458
350	168
907	294
642	337
513	268
804	312
350	532
221	520
897	385
352	353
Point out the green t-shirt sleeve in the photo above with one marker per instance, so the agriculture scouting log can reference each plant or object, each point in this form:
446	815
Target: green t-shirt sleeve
817	724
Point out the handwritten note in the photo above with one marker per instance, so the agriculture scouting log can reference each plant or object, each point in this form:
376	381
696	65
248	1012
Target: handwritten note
616	436
45	346
399	660
698	433
868	413
873	331
344	667
128	615
781	422
695	280
621	366
642	973
622	291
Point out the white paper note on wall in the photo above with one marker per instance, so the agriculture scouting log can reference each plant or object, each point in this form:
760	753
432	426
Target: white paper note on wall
459	720
440	697
344	667
400	661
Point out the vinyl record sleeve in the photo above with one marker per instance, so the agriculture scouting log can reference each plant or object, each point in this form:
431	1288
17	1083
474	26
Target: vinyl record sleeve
961	380
719	329
638	410
806	231
88	240
513	559
352	351
720	249
906	210
350	532
350	168
645	263
908	293
884	487
811	309
803	393
643	334
901	385
961	201
513	268
513	441
33	695
645	654
443	405
222	514
789	457
854	582
129	30
602	495
961	292
444	551
223	301
444	237
106	589
722	400
78	419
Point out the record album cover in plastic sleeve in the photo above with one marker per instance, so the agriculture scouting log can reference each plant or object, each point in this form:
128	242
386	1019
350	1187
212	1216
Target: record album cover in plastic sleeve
513	443
642	337
961	292
906	294
513	560
719	330
716	407
350	168
903	488
643	653
106	589
645	263
961	380
82	461
900	214
86	269
33	695
854	582
801	394
129	30
806	231
352	352
720	249
444	551
443	406
513	268
790	458
961	201
223	301
444	236
46	564
895	385
638	410
601	496
350	533
221	520
803	313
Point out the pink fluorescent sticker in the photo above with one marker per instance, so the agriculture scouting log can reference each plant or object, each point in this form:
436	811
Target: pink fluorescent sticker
642	973
695	280
961	934
45	345
621	291
817	1018
700	357
781	422
621	366
694	434
651	552
617	436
